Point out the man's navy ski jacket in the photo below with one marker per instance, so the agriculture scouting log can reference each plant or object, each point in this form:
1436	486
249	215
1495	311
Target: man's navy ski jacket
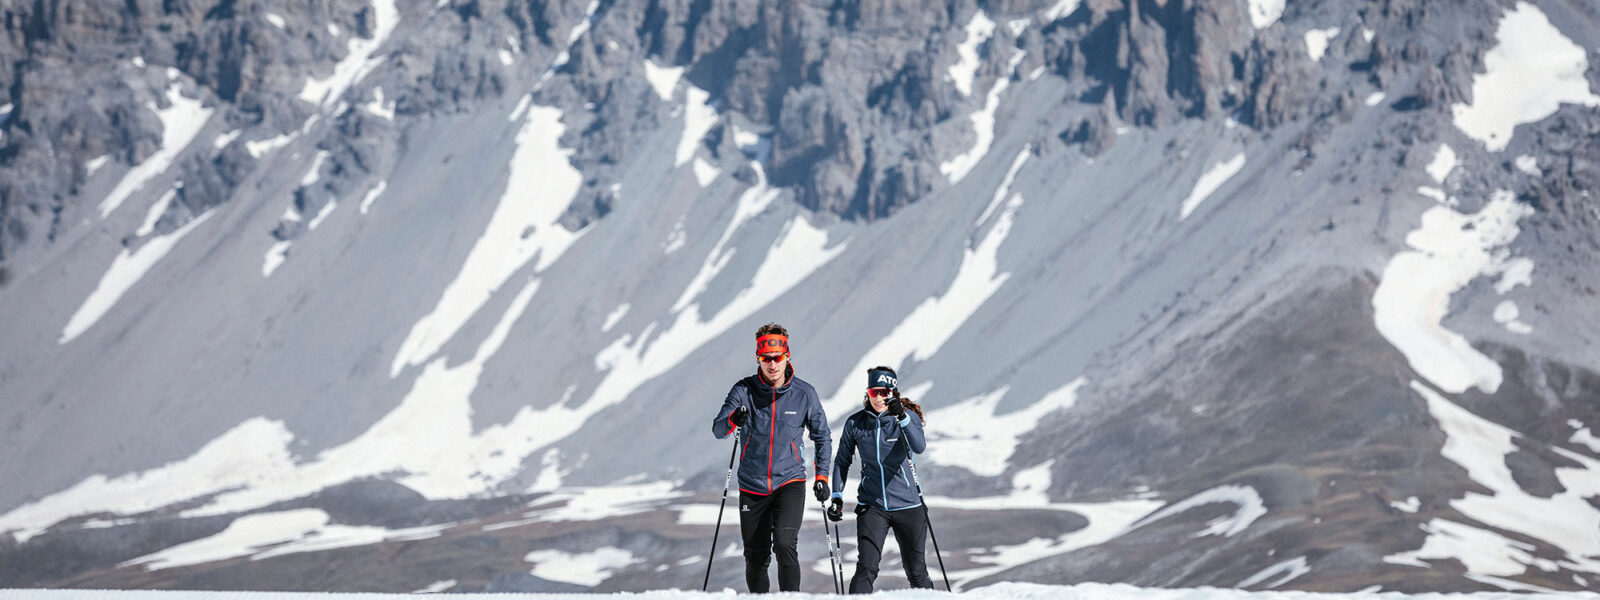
886	445
772	438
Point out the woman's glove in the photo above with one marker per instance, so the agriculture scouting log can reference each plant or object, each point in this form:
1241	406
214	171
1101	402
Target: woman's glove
836	509
896	408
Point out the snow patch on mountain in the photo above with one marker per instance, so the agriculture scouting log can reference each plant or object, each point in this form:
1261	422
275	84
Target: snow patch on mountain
181	121
1450	249
972	436
1583	436
799	250
1107	521
957	168
1251	507
979	29
1285	572
249	454
1209	182
923	332
266	535
1565	520
372	196
1317	41
1528	74
125	271
586	568
1506	313
595	503
664	80
156	210
357	60
540	186
1443	162
1265	12
698	119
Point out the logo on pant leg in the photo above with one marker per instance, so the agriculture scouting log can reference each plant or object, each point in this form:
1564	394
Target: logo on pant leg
744	508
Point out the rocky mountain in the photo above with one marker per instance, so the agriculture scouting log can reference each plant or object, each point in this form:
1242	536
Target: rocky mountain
441	295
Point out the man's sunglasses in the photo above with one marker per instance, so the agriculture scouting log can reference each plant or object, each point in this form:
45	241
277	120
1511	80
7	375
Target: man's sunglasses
879	392
771	358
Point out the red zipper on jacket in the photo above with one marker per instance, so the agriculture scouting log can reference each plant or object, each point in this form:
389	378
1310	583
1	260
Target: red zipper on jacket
772	436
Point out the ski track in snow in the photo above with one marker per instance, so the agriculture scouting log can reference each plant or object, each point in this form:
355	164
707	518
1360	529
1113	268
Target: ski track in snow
1209	182
180	123
1565	520
358	60
125	271
1449	250
972	436
1528	74
541	185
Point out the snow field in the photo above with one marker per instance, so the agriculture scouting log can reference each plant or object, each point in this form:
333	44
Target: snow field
979	29
958	167
1529	73
1449	250
920	334
1265	12
267	535
540	186
358	60
129	266
662	79
1317	41
1565	520
971	434
181	121
1210	182
698	119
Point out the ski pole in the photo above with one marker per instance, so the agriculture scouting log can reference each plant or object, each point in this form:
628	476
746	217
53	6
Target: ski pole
841	552
929	520
833	559
726	483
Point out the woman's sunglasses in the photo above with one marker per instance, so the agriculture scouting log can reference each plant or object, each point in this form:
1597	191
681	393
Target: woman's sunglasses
879	392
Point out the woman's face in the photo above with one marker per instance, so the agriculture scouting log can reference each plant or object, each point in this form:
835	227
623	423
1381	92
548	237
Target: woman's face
879	397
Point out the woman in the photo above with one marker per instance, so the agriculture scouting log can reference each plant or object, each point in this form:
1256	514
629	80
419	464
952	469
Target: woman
887	430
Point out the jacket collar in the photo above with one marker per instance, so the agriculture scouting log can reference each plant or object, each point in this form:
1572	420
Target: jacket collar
762	386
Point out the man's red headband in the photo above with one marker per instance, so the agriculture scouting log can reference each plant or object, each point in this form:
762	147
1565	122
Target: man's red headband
772	342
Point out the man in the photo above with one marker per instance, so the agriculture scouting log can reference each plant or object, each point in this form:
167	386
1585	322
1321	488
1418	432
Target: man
771	408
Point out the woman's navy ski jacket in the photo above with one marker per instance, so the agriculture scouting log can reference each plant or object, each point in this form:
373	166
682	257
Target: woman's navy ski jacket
886	445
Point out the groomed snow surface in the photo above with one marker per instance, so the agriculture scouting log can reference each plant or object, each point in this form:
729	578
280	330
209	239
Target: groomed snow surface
1011	591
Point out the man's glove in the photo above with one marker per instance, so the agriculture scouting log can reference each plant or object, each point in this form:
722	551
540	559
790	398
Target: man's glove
738	417
896	408
836	510
820	490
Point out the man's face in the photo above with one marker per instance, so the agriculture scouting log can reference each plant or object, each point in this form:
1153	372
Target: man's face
773	365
